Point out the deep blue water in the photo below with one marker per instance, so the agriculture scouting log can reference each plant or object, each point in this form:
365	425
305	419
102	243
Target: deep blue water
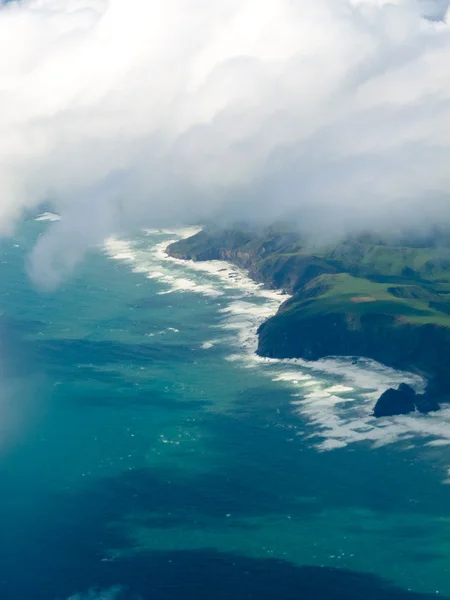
145	454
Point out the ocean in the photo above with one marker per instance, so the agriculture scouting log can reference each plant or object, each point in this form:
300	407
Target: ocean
147	453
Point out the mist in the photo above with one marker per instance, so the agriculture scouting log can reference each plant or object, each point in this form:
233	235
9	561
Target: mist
331	113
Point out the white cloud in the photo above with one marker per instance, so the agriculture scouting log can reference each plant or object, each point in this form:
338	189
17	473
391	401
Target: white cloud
121	112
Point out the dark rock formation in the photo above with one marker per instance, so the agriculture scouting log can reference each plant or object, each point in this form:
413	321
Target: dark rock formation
395	402
426	403
402	401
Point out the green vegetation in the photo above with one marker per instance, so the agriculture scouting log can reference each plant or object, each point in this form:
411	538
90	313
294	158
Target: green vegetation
355	295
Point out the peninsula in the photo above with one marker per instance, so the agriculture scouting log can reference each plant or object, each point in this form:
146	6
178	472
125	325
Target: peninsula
363	296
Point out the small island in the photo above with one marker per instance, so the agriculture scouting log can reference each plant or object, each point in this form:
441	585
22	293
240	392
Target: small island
388	300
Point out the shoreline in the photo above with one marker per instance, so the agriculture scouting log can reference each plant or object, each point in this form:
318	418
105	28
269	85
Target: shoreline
333	398
322	315
284	296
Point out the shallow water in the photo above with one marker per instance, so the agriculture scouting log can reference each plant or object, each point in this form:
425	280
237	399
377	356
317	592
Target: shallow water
144	445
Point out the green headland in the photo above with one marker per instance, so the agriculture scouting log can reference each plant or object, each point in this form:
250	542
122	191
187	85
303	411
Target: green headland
388	300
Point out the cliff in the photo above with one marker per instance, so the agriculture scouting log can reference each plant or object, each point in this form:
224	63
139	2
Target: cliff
361	297
348	316
275	257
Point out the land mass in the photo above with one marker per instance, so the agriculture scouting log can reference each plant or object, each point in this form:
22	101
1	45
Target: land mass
363	296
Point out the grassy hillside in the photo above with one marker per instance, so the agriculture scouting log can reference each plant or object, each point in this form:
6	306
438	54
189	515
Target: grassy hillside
356	295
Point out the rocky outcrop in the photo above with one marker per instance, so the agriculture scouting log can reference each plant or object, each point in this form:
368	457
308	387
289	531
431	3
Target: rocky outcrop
395	402
426	403
402	401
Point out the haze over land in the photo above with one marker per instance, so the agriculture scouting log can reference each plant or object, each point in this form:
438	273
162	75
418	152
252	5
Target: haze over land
332	112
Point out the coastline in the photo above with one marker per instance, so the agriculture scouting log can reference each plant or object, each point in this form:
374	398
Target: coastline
333	397
337	308
244	263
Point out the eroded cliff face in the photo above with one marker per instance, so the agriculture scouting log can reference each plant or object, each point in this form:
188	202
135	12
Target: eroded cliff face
262	257
244	260
423	349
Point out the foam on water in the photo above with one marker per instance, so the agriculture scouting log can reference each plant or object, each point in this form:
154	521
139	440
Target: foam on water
48	216
207	345
335	395
150	261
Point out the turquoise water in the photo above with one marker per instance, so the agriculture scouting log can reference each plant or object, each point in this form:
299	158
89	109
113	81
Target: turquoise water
145	452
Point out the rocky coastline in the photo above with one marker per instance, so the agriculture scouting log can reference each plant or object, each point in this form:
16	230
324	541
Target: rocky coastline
337	308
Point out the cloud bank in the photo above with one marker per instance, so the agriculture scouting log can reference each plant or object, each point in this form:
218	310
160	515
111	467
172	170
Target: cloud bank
336	112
